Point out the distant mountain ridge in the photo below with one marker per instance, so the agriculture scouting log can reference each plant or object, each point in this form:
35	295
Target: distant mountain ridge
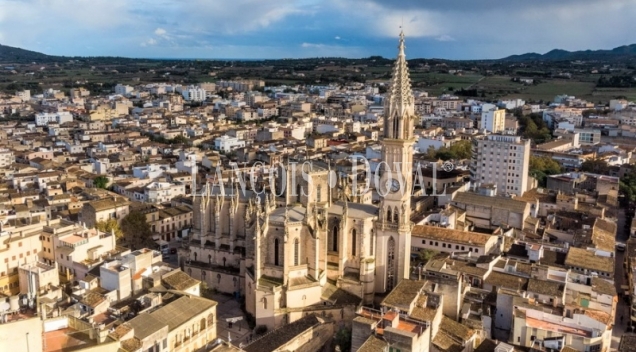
9	54
624	51
17	55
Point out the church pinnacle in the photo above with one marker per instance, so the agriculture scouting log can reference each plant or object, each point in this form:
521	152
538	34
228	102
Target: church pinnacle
399	103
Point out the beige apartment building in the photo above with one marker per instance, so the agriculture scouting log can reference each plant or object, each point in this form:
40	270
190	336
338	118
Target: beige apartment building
501	161
104	209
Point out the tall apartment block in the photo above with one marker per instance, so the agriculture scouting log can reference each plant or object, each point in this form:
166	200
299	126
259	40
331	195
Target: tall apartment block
501	161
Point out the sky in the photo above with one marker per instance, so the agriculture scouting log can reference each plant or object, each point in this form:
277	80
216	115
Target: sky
257	29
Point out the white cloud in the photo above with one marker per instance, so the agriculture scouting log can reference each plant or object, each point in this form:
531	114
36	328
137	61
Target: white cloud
312	45
149	42
160	31
445	38
337	38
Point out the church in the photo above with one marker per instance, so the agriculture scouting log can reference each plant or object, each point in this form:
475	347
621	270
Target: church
311	248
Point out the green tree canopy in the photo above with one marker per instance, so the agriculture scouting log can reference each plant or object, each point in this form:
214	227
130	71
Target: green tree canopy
457	151
595	165
540	167
108	226
136	231
101	182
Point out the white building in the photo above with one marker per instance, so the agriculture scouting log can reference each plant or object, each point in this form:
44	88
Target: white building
123	89
494	120
160	192
44	118
193	93
511	104
502	161
227	144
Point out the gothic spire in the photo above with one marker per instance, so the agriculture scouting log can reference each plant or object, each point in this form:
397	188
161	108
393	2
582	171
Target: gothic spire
400	82
399	104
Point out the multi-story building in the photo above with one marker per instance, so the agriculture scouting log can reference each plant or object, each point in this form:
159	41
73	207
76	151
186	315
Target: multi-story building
104	209
74	248
193	93
160	192
493	121
44	118
6	158
123	89
502	161
227	144
169	222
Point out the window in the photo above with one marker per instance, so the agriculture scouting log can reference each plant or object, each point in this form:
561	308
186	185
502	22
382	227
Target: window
353	242
334	244
296	251
276	251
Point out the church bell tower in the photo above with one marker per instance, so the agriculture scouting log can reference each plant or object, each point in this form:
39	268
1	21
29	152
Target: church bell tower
396	177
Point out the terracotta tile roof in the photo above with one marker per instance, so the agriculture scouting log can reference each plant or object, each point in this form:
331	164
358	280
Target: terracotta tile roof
581	258
450	235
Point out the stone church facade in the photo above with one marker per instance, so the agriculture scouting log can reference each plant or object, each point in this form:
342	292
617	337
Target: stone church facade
315	249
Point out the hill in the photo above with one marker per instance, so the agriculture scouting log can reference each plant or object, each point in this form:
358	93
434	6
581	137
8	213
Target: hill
17	55
621	52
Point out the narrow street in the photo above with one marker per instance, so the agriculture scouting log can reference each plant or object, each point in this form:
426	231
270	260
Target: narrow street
622	309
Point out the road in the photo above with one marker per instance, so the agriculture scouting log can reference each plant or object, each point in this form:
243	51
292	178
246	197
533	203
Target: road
622	309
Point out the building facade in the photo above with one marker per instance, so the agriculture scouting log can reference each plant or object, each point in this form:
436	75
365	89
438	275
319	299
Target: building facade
502	161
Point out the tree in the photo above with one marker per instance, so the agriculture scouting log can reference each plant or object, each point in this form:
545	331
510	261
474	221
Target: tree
541	166
427	255
180	140
595	165
457	151
110	225
343	339
101	182
136	230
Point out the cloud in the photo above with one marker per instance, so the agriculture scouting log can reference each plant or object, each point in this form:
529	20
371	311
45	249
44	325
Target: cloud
149	42
312	45
445	38
256	28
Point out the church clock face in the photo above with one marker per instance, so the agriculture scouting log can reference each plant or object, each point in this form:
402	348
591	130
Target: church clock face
393	185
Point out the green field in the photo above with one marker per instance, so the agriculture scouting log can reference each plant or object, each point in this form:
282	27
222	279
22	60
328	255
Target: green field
549	89
440	83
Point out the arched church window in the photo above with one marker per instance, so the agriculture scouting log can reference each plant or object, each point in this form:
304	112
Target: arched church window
390	261
296	252
276	252
195	256
298	193
354	242
372	242
389	216
319	193
264	303
395	215
334	242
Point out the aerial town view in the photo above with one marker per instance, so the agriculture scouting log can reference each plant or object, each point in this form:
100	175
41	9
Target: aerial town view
317	176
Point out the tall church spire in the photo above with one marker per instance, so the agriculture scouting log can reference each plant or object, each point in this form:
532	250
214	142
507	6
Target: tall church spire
399	105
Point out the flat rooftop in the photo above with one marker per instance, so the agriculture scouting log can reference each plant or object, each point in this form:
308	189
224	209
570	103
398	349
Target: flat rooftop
548	326
66	340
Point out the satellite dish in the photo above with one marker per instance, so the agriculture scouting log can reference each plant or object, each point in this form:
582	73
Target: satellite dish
4	307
